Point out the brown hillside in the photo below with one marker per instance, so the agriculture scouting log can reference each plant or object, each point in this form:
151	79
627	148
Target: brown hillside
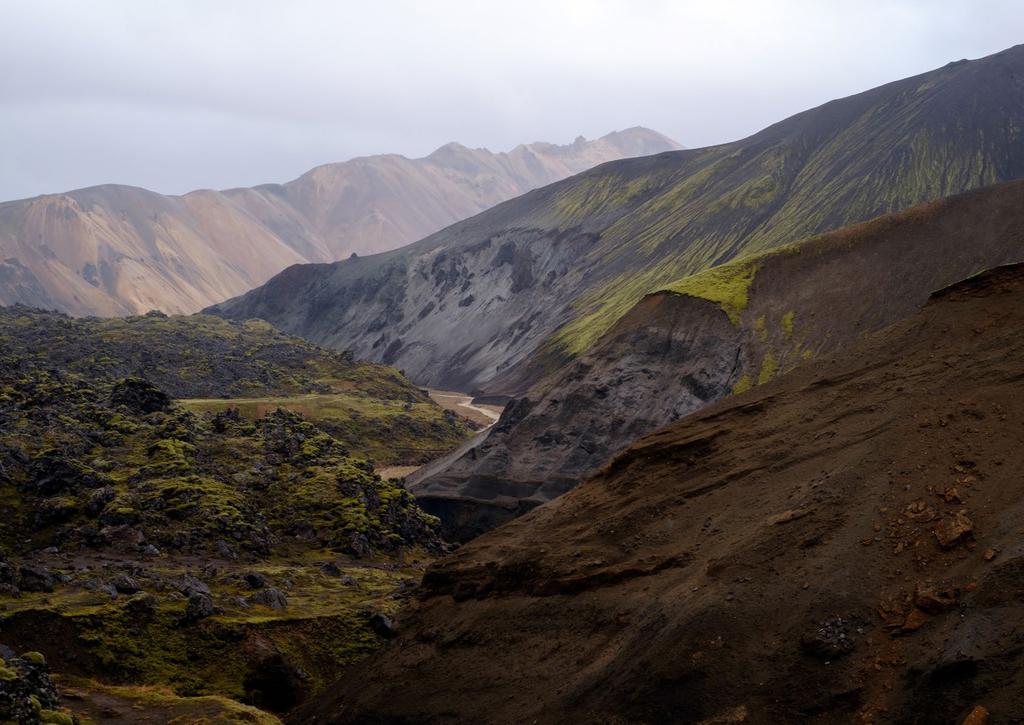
675	353
842	545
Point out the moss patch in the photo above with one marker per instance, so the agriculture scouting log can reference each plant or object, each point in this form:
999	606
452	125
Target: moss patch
769	368
787	325
727	285
742	385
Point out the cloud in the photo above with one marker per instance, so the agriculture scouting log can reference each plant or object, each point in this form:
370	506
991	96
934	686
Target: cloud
188	94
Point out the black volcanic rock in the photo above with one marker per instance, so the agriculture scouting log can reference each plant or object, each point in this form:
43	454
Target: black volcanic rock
140	396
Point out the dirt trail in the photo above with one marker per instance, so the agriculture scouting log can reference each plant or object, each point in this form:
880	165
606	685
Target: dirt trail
485	415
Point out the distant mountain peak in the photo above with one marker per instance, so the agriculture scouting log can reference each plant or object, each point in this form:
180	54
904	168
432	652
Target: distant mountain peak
115	250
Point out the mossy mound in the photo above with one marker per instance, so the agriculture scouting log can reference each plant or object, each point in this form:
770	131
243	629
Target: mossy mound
27	696
193	356
79	470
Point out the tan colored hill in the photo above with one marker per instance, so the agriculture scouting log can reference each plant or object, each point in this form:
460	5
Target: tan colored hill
841	545
118	250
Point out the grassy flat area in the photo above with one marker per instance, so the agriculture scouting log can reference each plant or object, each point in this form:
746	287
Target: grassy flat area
391	432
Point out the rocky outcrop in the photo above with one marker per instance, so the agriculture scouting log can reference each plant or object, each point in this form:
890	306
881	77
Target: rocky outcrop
27	696
772	558
675	353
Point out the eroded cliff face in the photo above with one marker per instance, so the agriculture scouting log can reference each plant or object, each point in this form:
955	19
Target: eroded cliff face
842	544
451	317
668	357
675	353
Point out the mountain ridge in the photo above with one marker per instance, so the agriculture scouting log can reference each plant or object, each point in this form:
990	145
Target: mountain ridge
494	302
722	331
115	249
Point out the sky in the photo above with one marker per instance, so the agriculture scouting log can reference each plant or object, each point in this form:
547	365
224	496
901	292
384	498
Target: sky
190	94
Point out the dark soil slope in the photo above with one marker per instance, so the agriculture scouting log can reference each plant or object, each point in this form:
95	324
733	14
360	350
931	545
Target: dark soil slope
729	329
842	543
490	303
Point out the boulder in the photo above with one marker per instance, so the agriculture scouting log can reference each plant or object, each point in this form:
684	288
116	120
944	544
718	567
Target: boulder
254	580
34	578
189	585
954	530
330	568
200	606
382	625
125	584
54	472
27	694
269	597
98	499
358	545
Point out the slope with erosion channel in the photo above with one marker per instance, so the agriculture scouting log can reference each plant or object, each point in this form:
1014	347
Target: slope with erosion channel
116	250
492	303
842	544
724	330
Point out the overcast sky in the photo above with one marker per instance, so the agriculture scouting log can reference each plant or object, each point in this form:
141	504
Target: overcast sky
180	95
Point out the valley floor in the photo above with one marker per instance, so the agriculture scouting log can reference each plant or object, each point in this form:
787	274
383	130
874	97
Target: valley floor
461	404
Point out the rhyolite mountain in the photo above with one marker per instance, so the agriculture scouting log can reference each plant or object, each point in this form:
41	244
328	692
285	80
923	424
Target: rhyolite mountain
493	302
840	545
116	250
723	330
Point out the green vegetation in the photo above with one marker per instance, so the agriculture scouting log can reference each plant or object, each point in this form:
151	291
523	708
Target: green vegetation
742	385
727	285
372	409
787	325
146	490
388	431
769	368
666	220
95	698
194	356
27	696
77	464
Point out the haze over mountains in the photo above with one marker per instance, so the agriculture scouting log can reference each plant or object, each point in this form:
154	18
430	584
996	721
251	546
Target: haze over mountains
117	250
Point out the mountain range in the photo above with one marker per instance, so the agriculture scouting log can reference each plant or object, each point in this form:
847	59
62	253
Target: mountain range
117	250
546	298
759	459
493	303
